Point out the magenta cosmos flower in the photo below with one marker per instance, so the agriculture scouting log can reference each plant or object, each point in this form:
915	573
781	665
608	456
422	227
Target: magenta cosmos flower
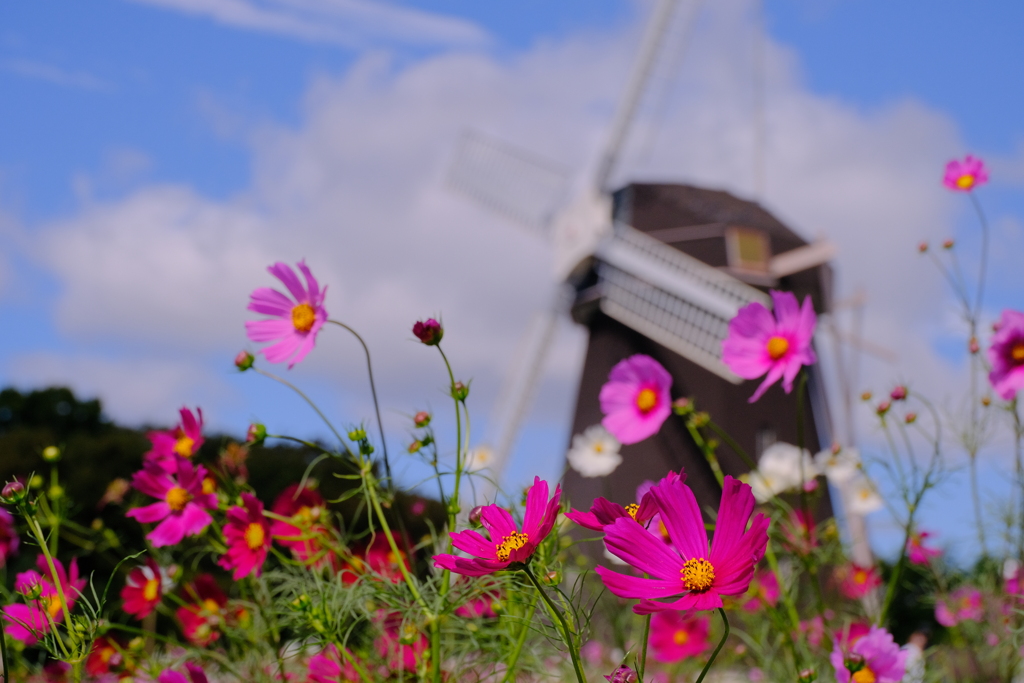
964	176
635	401
686	568
30	622
182	506
247	534
1006	355
184	440
779	345
144	588
874	658
507	545
294	324
604	512
676	636
917	551
963	604
8	537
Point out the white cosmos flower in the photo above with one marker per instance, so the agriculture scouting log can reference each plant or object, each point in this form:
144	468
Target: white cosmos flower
595	452
839	467
779	470
479	458
861	495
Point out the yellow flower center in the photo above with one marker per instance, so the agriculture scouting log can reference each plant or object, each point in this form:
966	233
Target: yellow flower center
255	535
865	675
598	447
632	509
646	400
151	590
210	605
860	576
777	347
698	575
184	446
209	485
1017	352
54	606
177	498
514	541
680	637
964	182
303	317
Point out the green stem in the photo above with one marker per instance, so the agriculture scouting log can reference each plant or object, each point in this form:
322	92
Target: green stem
38	533
376	404
566	633
386	528
731	443
642	667
453	512
718	649
510	667
801	392
709	455
306	398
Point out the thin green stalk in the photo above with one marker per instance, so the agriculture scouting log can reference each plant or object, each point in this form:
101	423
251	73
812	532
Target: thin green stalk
510	667
306	398
731	443
453	512
376	404
721	644
386	528
642	666
38	533
709	455
566	633
3	652
984	253
801	391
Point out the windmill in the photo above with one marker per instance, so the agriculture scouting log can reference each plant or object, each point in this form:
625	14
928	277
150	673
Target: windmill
608	269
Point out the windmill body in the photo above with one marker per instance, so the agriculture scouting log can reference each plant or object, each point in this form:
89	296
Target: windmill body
679	263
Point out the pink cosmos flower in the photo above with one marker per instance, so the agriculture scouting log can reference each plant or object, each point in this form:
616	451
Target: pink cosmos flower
303	535
295	324
874	658
779	344
604	512
635	400
104	657
401	645
247	534
195	675
28	622
328	667
814	630
182	441
917	551
857	581
622	674
144	588
202	619
675	636
963	604
764	591
506	545
1006	355
964	176
182	507
687	568
8	537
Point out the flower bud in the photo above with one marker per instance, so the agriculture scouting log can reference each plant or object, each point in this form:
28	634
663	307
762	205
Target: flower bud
36	482
51	454
415	447
700	419
854	662
552	578
836	448
682	406
408	635
421	419
910	418
475	515
883	408
244	360
357	434
899	393
55	492
948	244
256	435
460	391
866	396
922	247
14	492
810	485
623	674
32	591
973	345
808	676
986	401
429	332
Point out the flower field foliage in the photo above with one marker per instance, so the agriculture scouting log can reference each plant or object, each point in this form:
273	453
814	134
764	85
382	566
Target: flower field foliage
200	559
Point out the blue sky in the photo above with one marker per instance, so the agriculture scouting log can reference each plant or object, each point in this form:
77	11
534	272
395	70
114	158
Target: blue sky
222	124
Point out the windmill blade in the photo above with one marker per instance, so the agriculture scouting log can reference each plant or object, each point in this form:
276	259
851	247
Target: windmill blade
511	181
668	296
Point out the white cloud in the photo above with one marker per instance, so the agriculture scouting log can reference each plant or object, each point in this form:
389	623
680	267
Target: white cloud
351	23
